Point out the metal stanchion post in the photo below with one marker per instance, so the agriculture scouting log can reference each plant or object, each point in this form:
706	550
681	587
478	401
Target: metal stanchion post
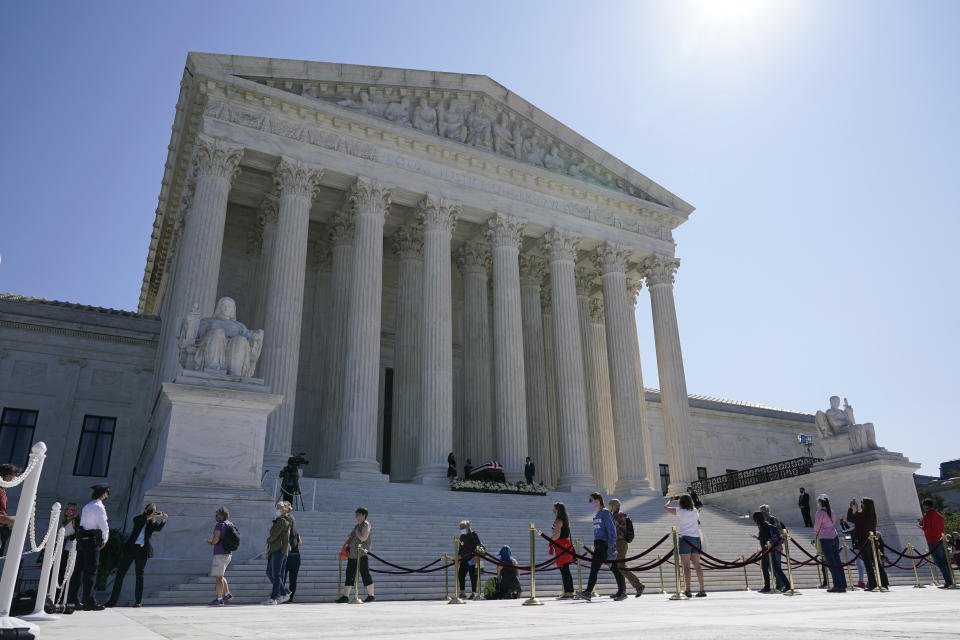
946	553
678	595
339	576
821	569
933	576
846	561
660	567
876	562
356	579
446	577
746	580
579	575
913	561
479	562
532	600
786	552
456	599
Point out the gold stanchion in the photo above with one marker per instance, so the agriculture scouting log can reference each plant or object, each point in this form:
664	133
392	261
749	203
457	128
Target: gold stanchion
446	577
946	553
532	600
356	579
933	576
746	580
660	567
876	562
456	599
846	561
678	595
913	561
477	559
786	552
821	569
339	577
579	575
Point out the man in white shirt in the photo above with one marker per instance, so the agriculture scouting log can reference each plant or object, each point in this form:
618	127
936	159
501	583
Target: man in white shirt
93	536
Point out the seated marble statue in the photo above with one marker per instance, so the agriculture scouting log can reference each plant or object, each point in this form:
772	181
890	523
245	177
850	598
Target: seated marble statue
220	344
839	432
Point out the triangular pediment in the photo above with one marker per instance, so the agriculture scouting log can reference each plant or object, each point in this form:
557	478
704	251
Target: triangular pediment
470	110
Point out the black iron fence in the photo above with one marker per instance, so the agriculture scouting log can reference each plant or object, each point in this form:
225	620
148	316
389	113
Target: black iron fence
757	475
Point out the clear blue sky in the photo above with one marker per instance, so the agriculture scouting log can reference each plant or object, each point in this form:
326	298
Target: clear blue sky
817	139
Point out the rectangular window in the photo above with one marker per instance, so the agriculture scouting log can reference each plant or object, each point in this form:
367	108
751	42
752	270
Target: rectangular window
729	471
16	435
701	473
96	441
664	478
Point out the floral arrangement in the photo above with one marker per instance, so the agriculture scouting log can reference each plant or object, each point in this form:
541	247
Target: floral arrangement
482	486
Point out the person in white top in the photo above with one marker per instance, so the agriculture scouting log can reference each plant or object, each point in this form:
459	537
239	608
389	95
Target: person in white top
93	536
688	528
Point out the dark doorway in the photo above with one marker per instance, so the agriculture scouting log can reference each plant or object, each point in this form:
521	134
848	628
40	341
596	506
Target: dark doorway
387	420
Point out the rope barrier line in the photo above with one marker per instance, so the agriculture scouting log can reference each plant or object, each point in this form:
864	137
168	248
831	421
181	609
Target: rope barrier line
403	570
589	558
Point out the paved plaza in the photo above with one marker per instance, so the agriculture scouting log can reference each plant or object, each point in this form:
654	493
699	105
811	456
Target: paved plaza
902	613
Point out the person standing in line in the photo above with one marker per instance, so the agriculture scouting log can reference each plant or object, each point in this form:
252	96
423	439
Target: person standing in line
932	524
361	534
92	538
469	542
847	530
775	534
768	533
688	528
864	523
625	530
804	503
825	528
137	551
221	557
292	568
529	470
604	548
563	559
278	546
451	467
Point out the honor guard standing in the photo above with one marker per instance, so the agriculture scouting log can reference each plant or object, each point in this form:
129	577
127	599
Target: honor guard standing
93	535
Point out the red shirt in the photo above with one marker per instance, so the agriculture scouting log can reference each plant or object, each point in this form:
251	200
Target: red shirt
932	525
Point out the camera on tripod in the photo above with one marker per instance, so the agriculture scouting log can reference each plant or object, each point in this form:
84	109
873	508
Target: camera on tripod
298	460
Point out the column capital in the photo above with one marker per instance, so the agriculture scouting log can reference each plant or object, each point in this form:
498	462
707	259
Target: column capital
473	258
560	245
341	226
612	257
215	157
297	178
269	210
533	269
370	197
323	254
596	310
438	213
658	270
633	289
407	242
584	277
505	231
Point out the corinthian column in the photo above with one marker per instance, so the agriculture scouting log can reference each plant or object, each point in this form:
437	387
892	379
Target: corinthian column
609	448
505	234
550	361
335	341
216	163
584	279
297	183
633	290
631	466
532	270
561	249
438	217
408	247
659	272
358	427
473	259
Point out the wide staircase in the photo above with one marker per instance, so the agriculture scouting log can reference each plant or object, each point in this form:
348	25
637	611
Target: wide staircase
414	525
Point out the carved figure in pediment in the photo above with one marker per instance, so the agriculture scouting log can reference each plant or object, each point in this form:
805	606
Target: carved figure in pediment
425	117
839	432
399	112
220	344
453	124
363	104
503	139
552	160
478	126
533	149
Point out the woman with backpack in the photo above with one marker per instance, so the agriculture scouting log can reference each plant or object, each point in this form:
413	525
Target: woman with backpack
768	533
508	577
563	559
222	555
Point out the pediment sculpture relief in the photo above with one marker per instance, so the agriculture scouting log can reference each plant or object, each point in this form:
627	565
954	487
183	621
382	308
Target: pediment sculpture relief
220	344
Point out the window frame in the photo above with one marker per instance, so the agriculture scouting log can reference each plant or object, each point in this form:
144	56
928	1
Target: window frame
664	487
702	476
18	427
99	433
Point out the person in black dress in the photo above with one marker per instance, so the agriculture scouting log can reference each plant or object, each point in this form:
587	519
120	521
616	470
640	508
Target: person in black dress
469	542
804	503
508	577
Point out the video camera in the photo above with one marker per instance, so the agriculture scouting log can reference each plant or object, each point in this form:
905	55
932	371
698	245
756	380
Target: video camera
298	460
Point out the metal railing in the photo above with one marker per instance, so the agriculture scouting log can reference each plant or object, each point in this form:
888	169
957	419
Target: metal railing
757	475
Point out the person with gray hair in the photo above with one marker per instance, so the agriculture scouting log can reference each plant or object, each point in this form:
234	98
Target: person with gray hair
277	548
624	538
778	545
469	543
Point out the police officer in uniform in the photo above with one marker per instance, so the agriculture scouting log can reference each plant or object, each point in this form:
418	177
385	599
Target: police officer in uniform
92	537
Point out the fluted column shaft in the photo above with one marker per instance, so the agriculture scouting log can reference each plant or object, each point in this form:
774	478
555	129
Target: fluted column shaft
532	268
631	466
659	273
298	183
633	289
473	260
335	341
609	448
551	382
438	217
571	400
358	427
505	234
591	388
408	247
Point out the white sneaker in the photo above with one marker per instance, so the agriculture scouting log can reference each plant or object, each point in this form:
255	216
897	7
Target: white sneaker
268	602
283	598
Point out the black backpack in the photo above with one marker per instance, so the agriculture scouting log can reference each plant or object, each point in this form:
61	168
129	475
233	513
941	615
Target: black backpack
629	533
231	537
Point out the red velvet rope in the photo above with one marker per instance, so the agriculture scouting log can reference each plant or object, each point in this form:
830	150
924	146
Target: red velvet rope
605	561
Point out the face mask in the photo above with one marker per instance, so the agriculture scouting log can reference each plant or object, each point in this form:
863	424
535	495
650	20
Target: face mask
463	531
277	512
591	504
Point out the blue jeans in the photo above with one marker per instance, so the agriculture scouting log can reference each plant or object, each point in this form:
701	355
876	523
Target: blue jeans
831	555
276	562
940	559
773	558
